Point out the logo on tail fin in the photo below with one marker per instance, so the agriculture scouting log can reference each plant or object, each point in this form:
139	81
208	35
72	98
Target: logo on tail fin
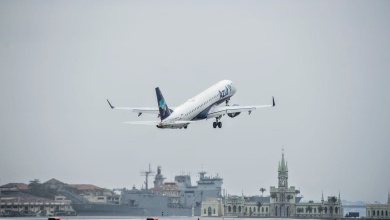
162	105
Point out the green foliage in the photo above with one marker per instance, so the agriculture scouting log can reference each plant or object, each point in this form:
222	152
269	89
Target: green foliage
273	195
259	204
332	199
309	209
38	189
289	197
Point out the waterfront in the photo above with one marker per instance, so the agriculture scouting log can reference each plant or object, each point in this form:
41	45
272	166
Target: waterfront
141	218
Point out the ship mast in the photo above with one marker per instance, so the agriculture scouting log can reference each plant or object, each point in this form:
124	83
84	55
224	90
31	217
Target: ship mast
146	174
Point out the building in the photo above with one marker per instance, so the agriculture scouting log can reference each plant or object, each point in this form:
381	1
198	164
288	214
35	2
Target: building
379	211
283	202
212	207
14	203
14	187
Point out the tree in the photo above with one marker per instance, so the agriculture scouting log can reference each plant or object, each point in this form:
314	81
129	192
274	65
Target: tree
273	195
309	209
34	186
38	189
262	190
297	191
289	197
333	199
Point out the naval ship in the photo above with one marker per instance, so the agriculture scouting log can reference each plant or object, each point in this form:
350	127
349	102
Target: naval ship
177	198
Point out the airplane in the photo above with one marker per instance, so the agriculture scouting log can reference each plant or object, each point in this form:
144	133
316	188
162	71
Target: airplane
205	105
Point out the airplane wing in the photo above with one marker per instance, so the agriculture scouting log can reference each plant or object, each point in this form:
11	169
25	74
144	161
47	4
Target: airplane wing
137	110
220	110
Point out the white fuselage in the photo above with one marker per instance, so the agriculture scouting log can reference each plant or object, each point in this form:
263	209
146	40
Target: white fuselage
197	107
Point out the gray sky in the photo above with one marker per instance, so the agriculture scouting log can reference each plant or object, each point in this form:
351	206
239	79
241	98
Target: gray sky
326	63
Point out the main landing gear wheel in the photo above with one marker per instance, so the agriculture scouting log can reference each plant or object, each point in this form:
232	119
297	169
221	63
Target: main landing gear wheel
218	123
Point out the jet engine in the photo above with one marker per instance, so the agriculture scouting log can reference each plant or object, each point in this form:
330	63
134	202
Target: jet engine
232	115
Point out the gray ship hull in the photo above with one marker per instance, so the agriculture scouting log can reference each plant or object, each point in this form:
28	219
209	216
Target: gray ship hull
106	210
125	210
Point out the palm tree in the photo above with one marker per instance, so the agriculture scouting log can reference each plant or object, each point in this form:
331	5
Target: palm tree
289	197
262	190
273	195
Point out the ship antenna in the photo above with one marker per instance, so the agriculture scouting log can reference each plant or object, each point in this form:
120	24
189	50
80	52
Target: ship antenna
146	174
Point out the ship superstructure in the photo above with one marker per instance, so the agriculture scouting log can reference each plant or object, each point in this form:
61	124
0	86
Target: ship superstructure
179	197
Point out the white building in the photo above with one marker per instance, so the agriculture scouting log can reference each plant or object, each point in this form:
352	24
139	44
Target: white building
283	202
379	211
212	207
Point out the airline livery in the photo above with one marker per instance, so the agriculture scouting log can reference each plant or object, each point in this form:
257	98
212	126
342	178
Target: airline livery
207	104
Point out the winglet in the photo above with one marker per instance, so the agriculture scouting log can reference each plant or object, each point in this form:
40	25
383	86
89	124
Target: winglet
111	106
273	102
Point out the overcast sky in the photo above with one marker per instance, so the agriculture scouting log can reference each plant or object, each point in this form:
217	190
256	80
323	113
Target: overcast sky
326	62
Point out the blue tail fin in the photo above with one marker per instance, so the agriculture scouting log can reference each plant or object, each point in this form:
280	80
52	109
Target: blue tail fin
162	105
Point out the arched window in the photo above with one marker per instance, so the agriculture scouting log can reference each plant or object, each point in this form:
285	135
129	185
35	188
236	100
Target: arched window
204	211
230	208
266	209
386	213
276	211
336	210
250	209
373	213
326	210
315	210
377	212
239	208
213	211
262	209
382	212
288	210
234	208
246	209
258	209
368	213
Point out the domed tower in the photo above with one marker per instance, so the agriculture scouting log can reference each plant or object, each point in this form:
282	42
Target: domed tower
283	173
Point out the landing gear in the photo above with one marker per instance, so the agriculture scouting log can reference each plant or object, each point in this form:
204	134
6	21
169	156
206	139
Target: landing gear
217	123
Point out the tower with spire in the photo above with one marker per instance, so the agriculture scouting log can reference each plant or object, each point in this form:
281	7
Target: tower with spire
388	197
283	173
